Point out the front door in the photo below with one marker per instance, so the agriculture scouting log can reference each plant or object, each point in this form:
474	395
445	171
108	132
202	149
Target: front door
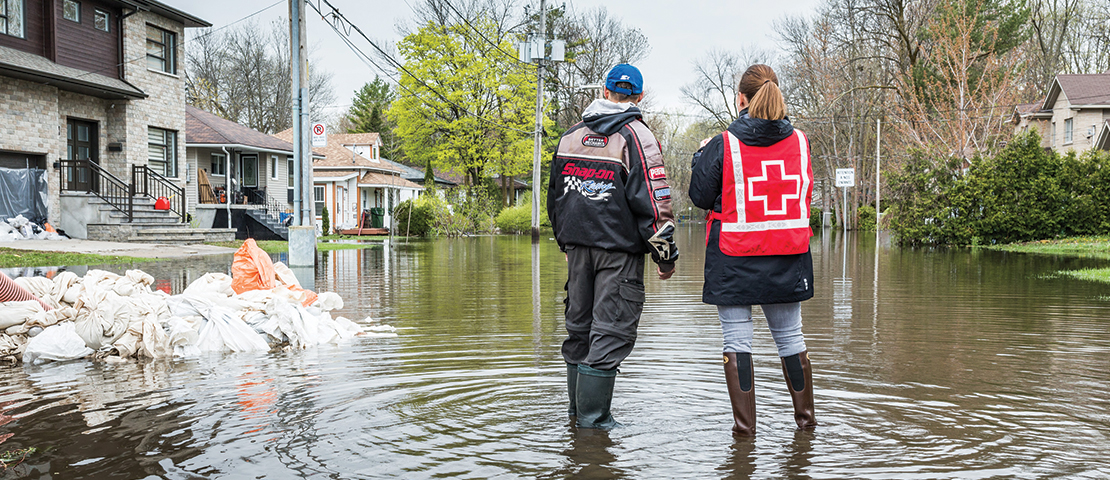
81	144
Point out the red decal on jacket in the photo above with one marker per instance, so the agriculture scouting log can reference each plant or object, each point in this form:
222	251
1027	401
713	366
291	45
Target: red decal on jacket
657	173
587	173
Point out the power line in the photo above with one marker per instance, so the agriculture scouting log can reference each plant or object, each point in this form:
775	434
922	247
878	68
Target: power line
183	42
480	34
338	16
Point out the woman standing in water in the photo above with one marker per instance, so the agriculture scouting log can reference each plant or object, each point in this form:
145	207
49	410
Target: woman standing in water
756	181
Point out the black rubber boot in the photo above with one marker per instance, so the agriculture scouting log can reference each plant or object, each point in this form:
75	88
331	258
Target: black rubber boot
594	397
572	389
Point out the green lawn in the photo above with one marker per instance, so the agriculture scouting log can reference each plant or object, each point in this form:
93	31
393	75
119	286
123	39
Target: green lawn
10	257
279	246
1093	247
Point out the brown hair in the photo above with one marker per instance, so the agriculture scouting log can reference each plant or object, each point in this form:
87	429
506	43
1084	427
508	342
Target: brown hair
618	97
760	84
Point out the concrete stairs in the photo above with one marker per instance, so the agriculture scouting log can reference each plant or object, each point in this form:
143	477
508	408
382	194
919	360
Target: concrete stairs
148	225
269	221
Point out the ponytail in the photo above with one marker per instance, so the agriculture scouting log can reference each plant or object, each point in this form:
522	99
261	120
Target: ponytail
760	84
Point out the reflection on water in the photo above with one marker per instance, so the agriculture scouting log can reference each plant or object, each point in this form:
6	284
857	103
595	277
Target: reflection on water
927	363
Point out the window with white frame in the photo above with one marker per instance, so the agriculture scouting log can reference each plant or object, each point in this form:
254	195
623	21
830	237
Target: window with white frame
11	17
318	197
101	19
161	49
291	176
1067	130
162	151
273	167
219	164
71	10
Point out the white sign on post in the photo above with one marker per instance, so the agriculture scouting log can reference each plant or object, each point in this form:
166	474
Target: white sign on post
319	135
845	177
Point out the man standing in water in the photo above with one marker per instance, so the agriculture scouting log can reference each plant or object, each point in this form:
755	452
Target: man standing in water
609	204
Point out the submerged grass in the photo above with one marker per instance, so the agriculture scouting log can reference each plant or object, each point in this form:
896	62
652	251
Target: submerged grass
1090	247
11	257
1095	247
280	246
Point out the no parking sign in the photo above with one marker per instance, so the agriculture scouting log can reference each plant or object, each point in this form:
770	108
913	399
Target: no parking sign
319	135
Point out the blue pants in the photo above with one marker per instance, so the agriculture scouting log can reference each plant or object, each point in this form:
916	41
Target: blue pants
784	320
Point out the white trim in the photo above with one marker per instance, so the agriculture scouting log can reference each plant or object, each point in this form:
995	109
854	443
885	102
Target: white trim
592	157
741	225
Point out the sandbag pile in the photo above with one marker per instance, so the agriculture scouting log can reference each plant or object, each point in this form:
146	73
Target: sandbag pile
110	315
20	228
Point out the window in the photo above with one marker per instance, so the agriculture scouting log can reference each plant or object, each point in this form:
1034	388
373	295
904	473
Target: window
292	176
101	19
219	164
11	17
273	167
71	10
318	197
161	49
1053	142
1067	131
162	151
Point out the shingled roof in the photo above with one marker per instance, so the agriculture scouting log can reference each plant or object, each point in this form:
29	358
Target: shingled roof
203	128
1080	89
337	156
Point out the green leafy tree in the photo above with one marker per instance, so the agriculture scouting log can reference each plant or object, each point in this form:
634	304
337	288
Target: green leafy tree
472	108
368	114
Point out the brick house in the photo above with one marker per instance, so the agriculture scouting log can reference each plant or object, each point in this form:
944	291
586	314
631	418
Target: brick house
1073	114
92	90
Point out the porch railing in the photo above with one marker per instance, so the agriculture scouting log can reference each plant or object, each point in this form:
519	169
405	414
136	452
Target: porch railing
272	207
86	176
145	181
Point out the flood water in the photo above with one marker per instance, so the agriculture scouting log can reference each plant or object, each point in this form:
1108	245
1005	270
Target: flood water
927	364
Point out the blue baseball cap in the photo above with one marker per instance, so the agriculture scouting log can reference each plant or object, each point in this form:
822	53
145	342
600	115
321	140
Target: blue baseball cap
625	73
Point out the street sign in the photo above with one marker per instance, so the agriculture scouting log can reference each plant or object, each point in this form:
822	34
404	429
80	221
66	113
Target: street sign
845	177
320	137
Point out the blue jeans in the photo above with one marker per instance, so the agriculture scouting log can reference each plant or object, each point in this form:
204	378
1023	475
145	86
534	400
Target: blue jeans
784	320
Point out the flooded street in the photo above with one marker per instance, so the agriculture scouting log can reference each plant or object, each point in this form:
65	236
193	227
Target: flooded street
927	364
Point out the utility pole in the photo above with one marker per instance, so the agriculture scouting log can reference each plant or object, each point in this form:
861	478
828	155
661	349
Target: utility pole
539	125
878	184
302	236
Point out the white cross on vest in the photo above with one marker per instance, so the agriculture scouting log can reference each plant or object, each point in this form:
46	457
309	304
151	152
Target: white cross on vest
779	190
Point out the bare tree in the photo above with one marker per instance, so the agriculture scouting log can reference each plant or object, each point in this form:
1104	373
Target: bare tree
718	75
243	74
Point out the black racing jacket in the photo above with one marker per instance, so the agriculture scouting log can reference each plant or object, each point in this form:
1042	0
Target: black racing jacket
608	187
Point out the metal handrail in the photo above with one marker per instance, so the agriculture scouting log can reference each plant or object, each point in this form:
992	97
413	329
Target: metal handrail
99	182
146	181
272	207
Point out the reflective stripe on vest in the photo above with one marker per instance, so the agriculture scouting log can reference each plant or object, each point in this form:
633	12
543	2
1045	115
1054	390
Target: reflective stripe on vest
766	192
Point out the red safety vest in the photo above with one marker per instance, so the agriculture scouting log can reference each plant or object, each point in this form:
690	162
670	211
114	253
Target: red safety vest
765	198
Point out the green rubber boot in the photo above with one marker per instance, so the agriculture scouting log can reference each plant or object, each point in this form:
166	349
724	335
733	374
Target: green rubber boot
594	397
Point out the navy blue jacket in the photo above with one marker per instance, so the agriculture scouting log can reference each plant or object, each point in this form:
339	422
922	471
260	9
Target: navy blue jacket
751	280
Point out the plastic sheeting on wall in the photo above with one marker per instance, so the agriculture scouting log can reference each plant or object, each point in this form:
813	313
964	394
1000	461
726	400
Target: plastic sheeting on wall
23	191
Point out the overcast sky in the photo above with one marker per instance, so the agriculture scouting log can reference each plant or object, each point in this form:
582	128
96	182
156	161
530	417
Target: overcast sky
678	32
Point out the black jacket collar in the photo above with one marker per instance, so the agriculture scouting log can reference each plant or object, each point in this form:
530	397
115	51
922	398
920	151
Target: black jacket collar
757	132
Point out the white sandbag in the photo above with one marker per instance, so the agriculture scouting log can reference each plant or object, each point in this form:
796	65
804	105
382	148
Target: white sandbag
102	318
285	275
328	301
5	228
53	317
18	222
144	338
183	330
347	327
223	332
210	283
12	344
134	282
18	313
55	344
40	287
